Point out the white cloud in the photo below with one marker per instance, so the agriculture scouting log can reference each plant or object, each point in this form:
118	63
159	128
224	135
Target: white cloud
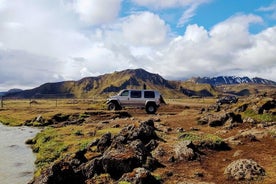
145	28
40	28
163	4
232	35
261	54
271	7
187	15
22	69
228	48
195	33
98	11
189	6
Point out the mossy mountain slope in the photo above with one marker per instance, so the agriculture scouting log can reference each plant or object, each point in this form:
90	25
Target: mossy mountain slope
109	84
101	86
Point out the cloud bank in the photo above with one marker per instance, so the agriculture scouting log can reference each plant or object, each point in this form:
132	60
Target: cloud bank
48	41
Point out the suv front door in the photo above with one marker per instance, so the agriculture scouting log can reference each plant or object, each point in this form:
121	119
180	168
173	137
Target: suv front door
124	97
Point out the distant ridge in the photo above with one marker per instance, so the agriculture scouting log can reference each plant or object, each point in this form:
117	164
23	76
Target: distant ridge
108	84
226	80
11	91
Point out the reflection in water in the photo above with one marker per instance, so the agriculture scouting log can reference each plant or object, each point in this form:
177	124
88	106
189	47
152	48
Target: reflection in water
16	158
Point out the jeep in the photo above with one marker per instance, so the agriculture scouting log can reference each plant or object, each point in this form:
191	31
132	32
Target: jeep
148	99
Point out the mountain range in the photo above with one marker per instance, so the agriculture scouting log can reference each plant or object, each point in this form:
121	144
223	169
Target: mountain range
107	84
222	80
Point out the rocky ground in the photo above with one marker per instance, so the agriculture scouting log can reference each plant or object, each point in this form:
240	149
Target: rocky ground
182	143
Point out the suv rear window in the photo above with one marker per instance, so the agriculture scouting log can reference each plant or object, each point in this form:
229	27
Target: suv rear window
149	94
135	94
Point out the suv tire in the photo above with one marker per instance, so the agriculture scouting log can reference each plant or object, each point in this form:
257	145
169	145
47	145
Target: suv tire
113	106
151	108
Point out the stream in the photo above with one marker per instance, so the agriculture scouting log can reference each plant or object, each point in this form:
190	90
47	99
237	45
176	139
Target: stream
16	158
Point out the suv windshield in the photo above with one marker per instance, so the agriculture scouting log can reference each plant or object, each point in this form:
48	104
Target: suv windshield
124	93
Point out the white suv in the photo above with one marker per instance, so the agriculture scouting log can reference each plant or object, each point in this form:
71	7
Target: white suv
148	99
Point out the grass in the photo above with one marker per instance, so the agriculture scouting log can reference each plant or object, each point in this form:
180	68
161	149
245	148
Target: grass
16	112
10	120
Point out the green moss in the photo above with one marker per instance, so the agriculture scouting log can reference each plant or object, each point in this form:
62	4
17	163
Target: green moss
48	147
78	133
124	182
266	117
196	137
83	145
11	121
158	177
111	130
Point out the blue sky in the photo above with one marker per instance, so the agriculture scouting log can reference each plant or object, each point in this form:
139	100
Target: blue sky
210	13
54	40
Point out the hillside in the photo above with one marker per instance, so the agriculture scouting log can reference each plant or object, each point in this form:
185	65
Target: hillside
101	86
109	84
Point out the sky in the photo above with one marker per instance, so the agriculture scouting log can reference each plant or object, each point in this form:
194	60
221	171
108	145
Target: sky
56	40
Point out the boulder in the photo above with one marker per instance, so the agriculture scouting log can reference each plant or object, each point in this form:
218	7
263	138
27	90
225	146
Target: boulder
265	107
104	142
244	169
121	159
60	172
145	132
220	119
139	176
242	108
92	168
186	150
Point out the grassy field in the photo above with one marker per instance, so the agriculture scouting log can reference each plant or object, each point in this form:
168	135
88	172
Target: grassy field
16	112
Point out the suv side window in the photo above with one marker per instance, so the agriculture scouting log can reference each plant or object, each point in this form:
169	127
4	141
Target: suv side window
125	93
149	94
135	94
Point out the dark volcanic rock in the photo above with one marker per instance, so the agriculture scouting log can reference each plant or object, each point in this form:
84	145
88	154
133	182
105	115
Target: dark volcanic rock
104	142
118	160
271	104
242	108
219	119
92	168
60	172
145	132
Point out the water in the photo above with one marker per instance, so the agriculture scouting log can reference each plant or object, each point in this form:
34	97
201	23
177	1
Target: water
16	158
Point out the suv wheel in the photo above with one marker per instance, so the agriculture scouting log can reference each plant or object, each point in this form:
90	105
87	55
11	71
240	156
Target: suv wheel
151	108
112	106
